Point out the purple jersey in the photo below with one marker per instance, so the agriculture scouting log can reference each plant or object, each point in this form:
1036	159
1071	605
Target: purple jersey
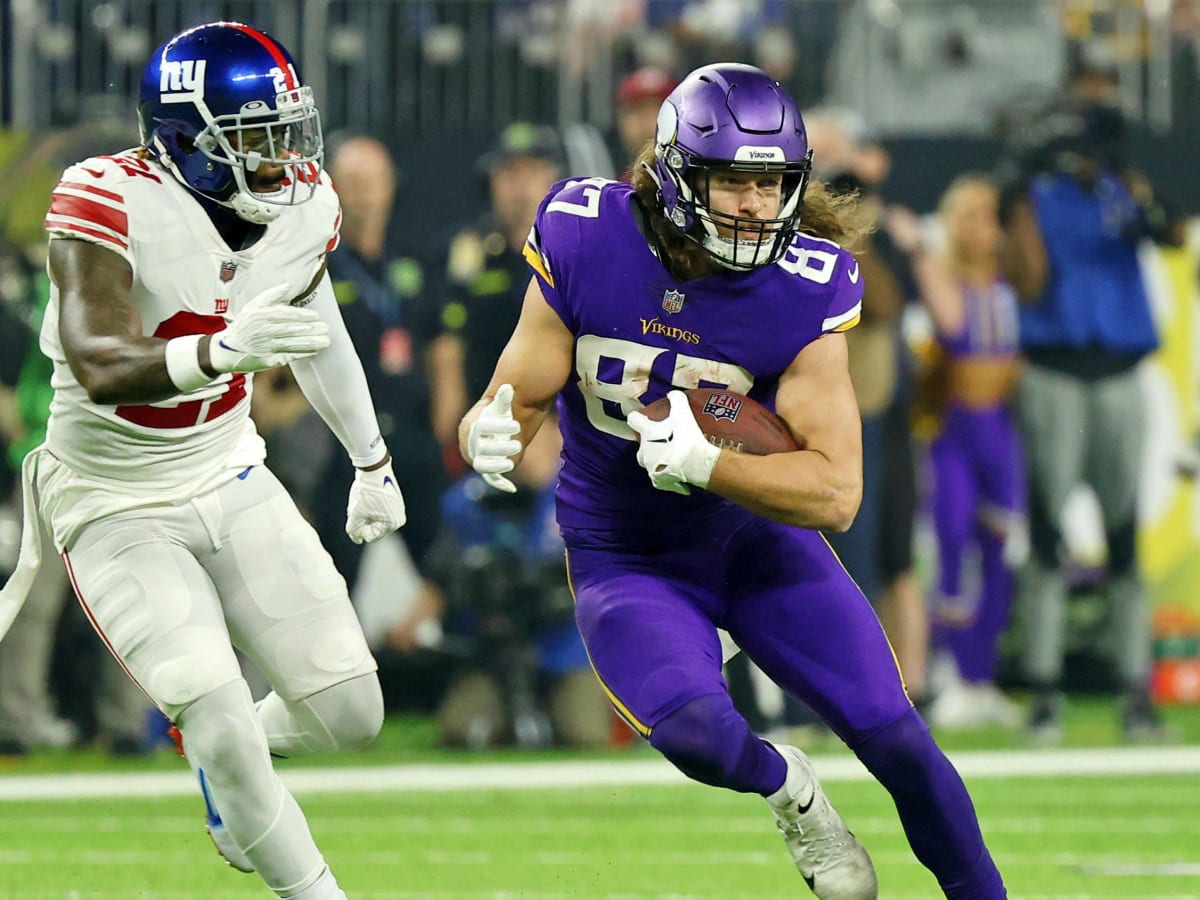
991	322
639	332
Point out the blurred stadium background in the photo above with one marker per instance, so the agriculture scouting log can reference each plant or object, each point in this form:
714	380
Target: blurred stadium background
946	86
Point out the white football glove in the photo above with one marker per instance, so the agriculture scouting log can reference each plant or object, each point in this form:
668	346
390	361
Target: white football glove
268	332
376	506
491	443
674	451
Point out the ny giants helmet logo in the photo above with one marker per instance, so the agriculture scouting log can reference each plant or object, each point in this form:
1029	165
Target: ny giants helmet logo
182	81
722	406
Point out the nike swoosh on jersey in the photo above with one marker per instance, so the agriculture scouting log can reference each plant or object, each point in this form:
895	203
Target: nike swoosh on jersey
853	273
95	173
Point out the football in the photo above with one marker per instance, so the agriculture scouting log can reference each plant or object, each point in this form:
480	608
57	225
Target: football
732	421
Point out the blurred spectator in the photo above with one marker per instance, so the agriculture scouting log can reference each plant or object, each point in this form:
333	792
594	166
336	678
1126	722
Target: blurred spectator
639	96
115	707
877	549
294	433
486	272
390	323
1074	217
757	31
526	676
978	472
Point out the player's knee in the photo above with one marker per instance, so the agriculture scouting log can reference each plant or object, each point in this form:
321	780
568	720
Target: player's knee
351	712
702	738
220	732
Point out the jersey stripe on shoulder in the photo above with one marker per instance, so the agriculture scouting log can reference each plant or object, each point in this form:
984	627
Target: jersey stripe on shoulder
337	233
87	210
843	322
534	256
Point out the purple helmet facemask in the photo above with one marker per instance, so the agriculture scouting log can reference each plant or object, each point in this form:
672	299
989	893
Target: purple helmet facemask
730	117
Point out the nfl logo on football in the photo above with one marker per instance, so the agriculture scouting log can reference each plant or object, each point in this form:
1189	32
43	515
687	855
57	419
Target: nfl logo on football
723	406
673	301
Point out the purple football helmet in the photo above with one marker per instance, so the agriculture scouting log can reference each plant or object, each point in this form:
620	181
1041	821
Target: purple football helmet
726	117
220	100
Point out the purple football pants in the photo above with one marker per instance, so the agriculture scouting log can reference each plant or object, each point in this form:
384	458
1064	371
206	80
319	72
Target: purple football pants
978	494
649	616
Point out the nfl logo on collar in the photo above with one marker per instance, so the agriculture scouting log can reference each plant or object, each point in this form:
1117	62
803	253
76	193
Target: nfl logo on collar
672	301
228	270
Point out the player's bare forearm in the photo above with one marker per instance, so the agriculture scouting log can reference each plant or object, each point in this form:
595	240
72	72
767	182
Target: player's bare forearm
536	361
821	485
803	488
101	330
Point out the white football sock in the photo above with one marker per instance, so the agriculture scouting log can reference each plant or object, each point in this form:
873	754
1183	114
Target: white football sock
222	736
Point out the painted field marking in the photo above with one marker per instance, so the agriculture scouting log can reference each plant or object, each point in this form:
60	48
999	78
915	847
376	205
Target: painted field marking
592	773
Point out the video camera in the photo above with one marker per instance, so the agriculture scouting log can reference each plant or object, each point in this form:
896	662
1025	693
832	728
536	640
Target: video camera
1081	138
1064	134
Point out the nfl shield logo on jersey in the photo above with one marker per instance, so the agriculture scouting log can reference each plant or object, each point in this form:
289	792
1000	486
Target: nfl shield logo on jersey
722	406
228	270
673	301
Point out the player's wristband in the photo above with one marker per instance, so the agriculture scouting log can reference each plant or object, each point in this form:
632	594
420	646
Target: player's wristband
183	363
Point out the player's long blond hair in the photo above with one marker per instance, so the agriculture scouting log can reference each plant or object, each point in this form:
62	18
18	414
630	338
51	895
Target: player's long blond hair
835	217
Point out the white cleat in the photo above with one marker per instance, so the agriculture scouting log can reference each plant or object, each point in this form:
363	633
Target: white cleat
220	835
834	863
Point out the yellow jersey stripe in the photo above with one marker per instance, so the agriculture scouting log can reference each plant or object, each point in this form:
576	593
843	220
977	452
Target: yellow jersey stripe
621	708
539	265
895	659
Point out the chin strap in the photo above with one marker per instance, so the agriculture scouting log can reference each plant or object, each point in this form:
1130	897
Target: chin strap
243	203
252	210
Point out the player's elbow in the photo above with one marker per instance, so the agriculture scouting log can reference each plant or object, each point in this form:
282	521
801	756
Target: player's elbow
844	501
841	518
93	367
101	389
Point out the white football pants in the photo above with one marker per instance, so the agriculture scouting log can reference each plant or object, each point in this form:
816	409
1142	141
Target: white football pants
173	589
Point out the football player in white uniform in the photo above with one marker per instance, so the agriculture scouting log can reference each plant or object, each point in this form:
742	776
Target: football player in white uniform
179	269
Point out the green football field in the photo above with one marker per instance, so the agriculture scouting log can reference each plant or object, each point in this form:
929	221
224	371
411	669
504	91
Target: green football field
412	822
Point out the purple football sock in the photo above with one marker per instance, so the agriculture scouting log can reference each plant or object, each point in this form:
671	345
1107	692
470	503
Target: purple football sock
934	808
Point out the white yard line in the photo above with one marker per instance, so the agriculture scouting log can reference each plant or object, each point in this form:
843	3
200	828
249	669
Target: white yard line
594	773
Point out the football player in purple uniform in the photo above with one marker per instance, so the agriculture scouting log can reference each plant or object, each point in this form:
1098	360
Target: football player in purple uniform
718	267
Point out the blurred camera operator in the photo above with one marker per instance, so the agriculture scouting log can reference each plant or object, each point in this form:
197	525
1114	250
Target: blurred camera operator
1073	221
511	620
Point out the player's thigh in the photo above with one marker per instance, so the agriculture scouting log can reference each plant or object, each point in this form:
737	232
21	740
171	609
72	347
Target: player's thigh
801	618
286	605
648	638
154	606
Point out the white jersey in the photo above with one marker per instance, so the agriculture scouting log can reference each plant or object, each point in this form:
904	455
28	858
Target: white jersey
186	280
